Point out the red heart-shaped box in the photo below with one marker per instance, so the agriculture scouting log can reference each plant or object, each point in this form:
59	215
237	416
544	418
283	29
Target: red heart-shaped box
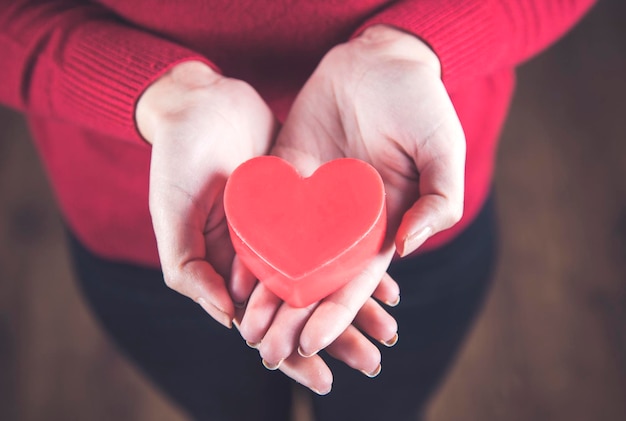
304	238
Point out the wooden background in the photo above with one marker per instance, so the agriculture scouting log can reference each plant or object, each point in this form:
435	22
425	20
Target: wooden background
550	344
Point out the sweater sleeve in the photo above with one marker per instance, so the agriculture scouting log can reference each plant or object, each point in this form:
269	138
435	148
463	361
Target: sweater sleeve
76	61
477	37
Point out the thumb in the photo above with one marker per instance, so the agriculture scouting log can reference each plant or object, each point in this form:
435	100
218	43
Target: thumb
305	164
306	139
305	161
441	166
178	227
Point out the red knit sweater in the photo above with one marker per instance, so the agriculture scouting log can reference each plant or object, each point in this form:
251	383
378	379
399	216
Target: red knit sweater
77	68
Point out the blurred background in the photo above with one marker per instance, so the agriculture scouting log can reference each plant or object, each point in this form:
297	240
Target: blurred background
549	345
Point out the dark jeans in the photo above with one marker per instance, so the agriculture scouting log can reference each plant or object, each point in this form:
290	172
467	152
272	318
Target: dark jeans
212	374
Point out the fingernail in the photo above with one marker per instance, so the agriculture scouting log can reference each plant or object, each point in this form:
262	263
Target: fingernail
240	305
374	373
253	345
391	342
220	316
322	393
272	366
302	354
394	302
414	240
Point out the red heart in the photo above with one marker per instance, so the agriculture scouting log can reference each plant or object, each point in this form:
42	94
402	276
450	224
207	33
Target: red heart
304	238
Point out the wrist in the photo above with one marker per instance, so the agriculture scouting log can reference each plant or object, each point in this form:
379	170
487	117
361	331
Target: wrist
400	44
170	94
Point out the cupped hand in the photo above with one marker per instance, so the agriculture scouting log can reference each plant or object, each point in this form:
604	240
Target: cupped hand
273	327
378	98
201	126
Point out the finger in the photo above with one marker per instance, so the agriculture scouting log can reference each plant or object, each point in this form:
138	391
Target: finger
373	320
281	340
198	279
239	312
310	372
441	166
242	283
303	141
336	312
356	351
259	313
388	291
219	251
304	162
178	227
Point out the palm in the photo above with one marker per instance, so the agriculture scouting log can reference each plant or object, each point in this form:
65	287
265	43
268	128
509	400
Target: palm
377	98
393	112
200	138
314	135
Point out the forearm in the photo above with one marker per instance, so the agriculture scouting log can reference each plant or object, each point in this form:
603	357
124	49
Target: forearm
76	61
474	38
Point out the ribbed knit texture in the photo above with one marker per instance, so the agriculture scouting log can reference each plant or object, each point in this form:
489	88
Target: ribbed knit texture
76	62
77	68
476	38
104	72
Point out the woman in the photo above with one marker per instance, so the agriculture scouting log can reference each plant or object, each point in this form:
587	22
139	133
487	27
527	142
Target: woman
141	111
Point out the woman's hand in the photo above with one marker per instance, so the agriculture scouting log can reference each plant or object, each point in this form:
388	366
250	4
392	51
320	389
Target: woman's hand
282	324
201	126
378	98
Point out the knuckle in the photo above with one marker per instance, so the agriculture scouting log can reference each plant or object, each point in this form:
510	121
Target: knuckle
343	312
172	281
